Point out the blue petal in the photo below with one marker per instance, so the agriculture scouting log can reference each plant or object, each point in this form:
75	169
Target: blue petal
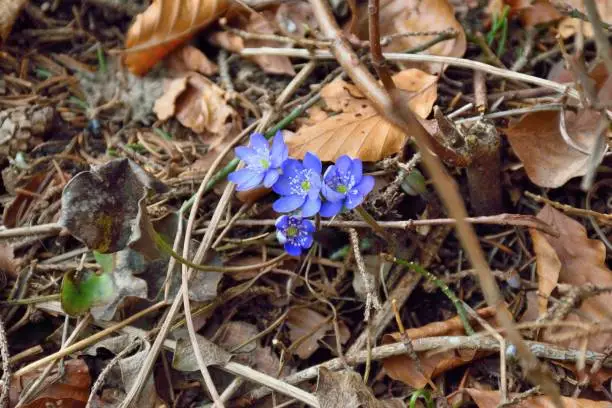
245	153
311	161
353	199
330	173
259	142
282	222
280	237
278	153
330	209
366	185
307	242
343	164
311	207
288	203
308	226
291	167
293	250
270	178
246	179
330	194
282	186
357	170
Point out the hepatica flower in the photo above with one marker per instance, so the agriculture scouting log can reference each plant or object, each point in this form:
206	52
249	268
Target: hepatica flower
344	186
263	163
299	186
295	233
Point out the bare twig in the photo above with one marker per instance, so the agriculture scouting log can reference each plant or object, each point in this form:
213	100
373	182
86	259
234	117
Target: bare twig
5	381
377	58
603	45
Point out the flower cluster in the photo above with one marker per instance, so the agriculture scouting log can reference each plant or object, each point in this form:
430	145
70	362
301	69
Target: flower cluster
303	188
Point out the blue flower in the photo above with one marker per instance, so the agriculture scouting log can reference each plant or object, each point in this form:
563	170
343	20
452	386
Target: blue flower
295	233
299	186
344	186
262	162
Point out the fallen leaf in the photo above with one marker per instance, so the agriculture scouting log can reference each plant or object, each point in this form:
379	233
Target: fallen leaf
259	23
9	11
163	26
531	13
347	389
103	207
8	263
549	161
14	212
401	16
123	375
570	26
71	391
184	357
189	58
404	369
200	105
307	327
491	399
596	380
582	260
359	130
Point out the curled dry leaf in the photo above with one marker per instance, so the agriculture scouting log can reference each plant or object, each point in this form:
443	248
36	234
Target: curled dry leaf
574	259
402	16
198	104
492	399
9	11
359	131
260	23
404	369
165	25
189	58
549	161
347	389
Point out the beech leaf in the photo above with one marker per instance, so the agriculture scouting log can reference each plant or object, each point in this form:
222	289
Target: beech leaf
360	131
401	16
574	259
163	26
184	357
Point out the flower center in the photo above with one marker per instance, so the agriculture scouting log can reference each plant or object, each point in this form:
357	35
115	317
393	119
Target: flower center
264	163
292	232
305	185
341	188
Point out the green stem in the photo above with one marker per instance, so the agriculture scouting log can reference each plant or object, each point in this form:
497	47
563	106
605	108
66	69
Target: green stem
101	59
231	166
423	393
30	301
443	287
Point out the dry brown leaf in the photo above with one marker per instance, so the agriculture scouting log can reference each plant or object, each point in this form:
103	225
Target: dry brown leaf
359	131
189	58
165	25
491	399
261	23
400	16
308	327
9	11
530	12
581	260
200	106
596	380
548	160
404	369
570	26
8	263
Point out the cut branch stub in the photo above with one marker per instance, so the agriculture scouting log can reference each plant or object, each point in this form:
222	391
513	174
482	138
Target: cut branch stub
104	207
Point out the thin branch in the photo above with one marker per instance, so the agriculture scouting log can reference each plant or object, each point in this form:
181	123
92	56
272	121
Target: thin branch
377	58
5	381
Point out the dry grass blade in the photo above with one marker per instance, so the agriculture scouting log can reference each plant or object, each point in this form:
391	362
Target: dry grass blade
165	25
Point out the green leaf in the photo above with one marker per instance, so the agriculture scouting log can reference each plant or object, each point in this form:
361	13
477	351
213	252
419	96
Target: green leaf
106	261
84	289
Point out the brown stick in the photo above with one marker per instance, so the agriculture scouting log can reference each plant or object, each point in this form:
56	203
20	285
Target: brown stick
399	114
377	58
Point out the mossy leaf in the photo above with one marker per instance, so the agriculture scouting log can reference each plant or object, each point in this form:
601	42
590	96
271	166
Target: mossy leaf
81	290
106	261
